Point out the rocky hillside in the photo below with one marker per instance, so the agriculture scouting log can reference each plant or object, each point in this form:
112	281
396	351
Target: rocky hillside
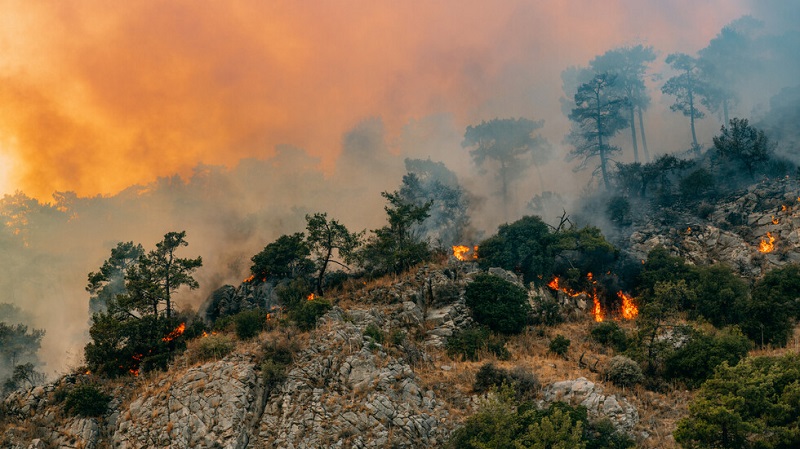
375	373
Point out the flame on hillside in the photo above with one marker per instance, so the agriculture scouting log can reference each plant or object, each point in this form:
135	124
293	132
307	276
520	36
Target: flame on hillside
311	297
775	220
462	252
628	309
250	279
177	332
766	246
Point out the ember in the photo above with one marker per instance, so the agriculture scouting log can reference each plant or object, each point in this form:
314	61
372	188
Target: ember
775	220
250	279
311	297
767	246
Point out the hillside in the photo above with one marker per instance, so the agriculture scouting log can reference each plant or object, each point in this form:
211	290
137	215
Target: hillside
375	370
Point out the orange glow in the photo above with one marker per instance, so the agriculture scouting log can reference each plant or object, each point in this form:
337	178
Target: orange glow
689	230
250	279
775	220
783	208
177	332
460	251
311	297
629	309
766	246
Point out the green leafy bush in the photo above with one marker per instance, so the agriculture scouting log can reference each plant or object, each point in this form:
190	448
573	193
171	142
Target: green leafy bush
249	323
87	400
501	424
608	333
307	313
751	405
277	358
524	383
498	304
773	308
468	343
374	332
623	371
548	312
618	211
559	345
523	245
696	360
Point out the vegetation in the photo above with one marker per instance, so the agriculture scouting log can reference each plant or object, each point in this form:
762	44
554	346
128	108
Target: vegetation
523	246
501	423
469	343
249	323
86	400
750	405
498	304
623	371
524	383
559	345
308	312
211	347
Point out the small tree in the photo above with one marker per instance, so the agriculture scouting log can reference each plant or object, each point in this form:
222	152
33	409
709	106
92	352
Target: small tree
497	303
395	248
687	87
623	371
286	257
511	143
597	117
325	237
524	246
109	281
743	144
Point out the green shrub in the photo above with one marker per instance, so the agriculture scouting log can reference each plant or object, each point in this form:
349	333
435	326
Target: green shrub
559	345
498	304
277	358
548	313
773	308
523	245
524	383
618	211
720	295
86	400
374	332
211	347
249	323
751	405
468	343
608	333
624	372
696	360
307	313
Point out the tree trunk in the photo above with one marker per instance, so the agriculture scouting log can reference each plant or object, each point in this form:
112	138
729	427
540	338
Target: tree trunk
691	118
633	136
644	139
600	148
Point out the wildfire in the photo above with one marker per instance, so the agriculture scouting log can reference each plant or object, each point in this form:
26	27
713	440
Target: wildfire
311	297
783	208
629	309
689	230
775	220
177	332
767	246
250	279
461	252
138	359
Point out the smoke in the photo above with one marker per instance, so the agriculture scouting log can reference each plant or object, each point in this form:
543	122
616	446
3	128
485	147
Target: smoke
234	121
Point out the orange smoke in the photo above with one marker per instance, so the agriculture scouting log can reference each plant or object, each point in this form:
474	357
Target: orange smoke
182	82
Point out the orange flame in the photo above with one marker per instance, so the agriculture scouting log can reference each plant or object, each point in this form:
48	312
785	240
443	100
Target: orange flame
629	309
767	246
311	297
597	311
177	332
689	230
775	220
250	279
461	252
783	208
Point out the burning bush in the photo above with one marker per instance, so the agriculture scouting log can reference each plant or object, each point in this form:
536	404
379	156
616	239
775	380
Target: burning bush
498	304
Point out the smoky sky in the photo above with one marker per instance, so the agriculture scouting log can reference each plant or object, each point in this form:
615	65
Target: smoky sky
94	98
